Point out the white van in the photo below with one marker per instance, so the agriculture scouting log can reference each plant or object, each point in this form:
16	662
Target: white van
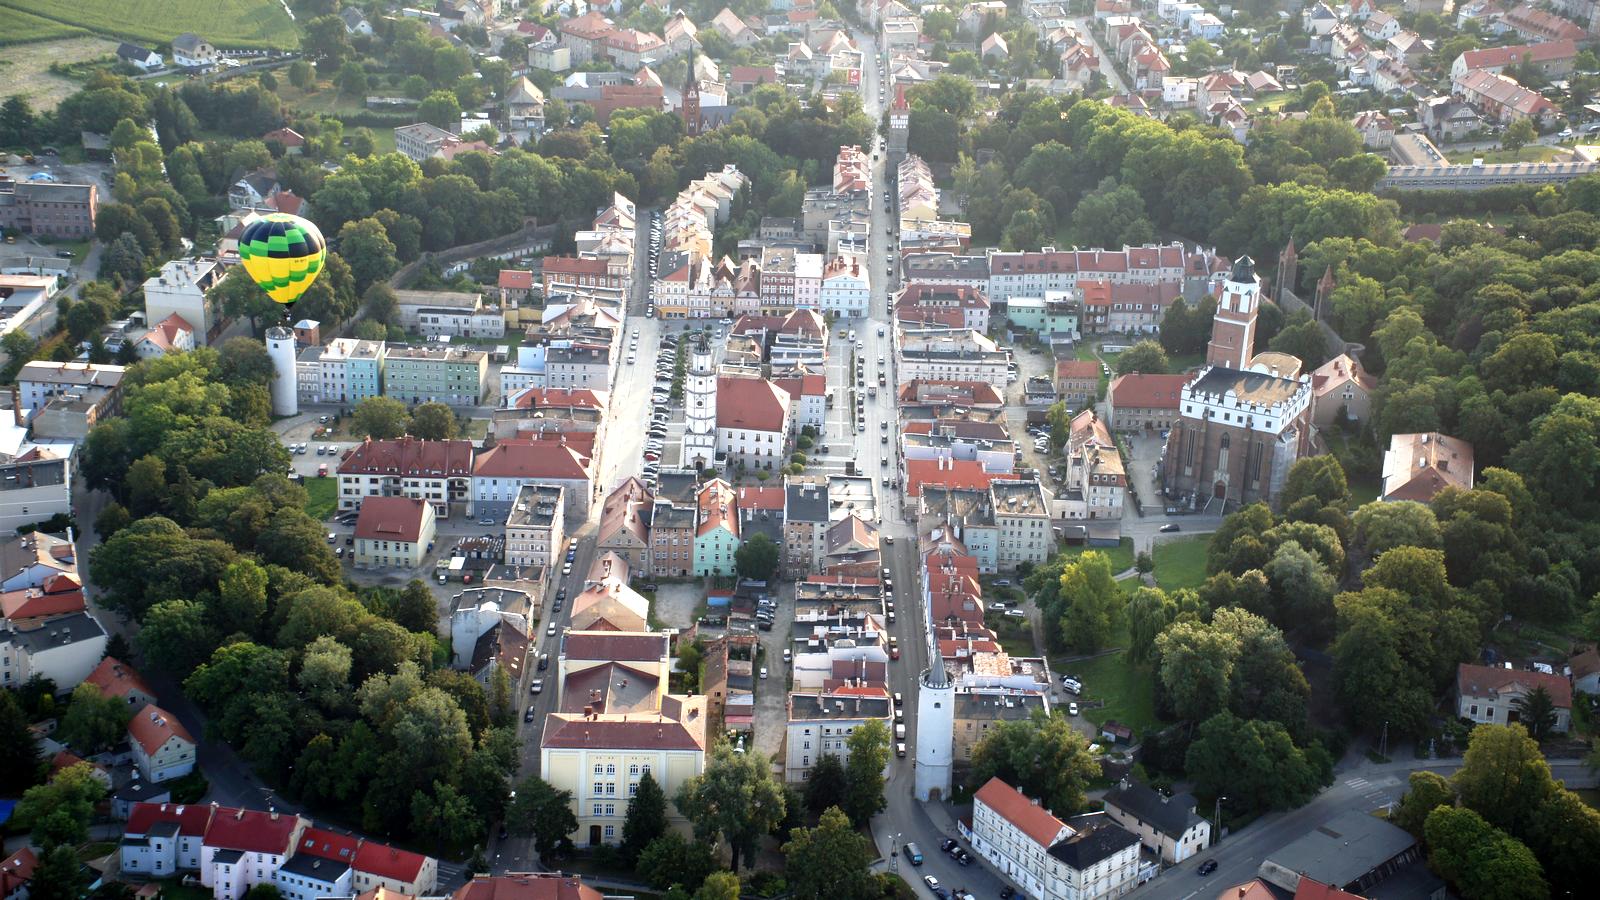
899	731
1071	685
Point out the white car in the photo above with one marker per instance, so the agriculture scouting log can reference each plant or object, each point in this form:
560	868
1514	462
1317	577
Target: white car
763	671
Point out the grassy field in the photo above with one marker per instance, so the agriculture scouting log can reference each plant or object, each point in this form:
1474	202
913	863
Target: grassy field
28	74
1181	563
225	23
324	497
1121	556
22	27
1532	153
1123	686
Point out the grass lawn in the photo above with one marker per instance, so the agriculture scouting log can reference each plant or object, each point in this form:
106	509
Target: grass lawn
1364	490
1530	153
225	23
1015	638
324	494
1121	556
1181	563
1124	687
1179	363
24	27
1273	102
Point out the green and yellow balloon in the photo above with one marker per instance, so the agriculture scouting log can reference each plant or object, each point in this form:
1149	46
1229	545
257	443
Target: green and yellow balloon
283	254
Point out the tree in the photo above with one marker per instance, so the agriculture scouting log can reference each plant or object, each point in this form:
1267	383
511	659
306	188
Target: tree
365	245
1112	216
263	891
1483	862
19	748
828	861
1093	602
352	79
94	722
826	785
544	813
719	886
434	422
176	635
1255	763
1317	478
301	74
1503	776
1428	791
241	598
1381	526
59	812
1537	712
757	558
325	674
672	859
1565	836
1517	135
1043	757
646	819
441	108
380	418
868	747
1145	356
735	797
1150	611
59	876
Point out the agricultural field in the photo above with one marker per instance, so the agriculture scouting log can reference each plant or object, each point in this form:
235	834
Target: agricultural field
228	24
28	74
23	27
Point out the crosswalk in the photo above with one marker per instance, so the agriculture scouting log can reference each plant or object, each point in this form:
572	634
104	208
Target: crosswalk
1375	795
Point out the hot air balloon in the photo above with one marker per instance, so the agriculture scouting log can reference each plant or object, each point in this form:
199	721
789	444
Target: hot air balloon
283	255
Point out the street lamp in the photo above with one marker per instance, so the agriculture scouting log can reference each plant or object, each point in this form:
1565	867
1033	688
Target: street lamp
1216	822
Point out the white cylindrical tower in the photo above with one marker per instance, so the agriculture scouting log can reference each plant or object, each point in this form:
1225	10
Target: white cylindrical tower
936	724
285	385
700	408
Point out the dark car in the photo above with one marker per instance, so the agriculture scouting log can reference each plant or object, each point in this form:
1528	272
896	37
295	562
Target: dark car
963	857
948	844
1207	867
1170	527
1006	893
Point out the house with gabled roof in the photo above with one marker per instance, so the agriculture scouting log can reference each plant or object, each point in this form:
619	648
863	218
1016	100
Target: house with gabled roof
143	59
116	678
162	748
1491	694
1418	466
1032	847
1167	824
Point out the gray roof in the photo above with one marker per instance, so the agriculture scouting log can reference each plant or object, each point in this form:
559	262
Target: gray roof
1338	852
58	632
34	473
1171	816
227	857
1246	387
997	707
307	866
1096	838
805	502
51	192
126	50
822	706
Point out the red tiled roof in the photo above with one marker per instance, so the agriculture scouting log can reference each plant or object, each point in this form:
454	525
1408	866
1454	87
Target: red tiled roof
286	201
541	886
754	404
570	731
548	398
769	498
385	861
34	603
1487	681
516	279
589	26
753	75
1139	391
551	458
152	726
635	647
572	265
813	385
288	137
116	678
192	819
409	457
1310	889
1078	368
1009	803
327	845
391	519
957	473
251	831
16	871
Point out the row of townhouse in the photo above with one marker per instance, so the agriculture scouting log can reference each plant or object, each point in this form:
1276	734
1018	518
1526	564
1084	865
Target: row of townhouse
234	850
685	287
456	477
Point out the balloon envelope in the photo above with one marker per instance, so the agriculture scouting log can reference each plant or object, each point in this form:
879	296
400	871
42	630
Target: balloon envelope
283	255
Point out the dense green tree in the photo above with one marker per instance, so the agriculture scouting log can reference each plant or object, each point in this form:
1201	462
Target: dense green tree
19	748
59	812
1383	526
545	814
176	636
868	757
59	876
735	797
1091	603
719	886
1503	776
94	721
365	245
1255	763
646	819
380	418
1145	356
826	785
1150	611
828	861
757	557
1483	862
1565	835
434	422
672	859
1043	757
1537	712
1427	792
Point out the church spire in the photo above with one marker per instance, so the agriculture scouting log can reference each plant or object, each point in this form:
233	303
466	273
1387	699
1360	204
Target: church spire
690	109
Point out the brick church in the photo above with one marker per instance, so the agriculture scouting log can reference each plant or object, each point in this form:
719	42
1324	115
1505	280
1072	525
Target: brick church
1244	419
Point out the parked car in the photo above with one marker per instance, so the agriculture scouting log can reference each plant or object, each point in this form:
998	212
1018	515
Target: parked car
1170	527
537	686
948	844
1207	867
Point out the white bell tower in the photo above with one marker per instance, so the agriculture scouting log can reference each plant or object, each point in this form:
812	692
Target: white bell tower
700	408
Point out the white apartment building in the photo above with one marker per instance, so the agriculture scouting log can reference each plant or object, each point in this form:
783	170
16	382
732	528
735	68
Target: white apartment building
534	535
1085	858
180	287
846	286
820	724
